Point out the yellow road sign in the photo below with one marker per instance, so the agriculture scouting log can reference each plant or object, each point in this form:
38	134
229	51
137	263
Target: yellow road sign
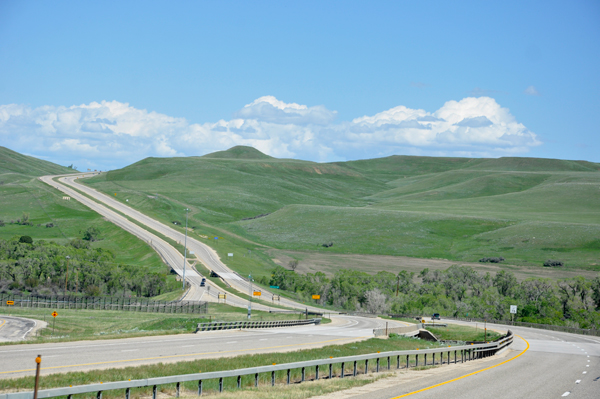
256	293
316	296
222	296
54	314
10	302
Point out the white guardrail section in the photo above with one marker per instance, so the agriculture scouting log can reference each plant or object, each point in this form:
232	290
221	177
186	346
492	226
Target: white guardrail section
461	354
237	325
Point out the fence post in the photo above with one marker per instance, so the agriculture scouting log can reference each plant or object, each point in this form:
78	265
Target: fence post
407	362
177	388
367	366
239	381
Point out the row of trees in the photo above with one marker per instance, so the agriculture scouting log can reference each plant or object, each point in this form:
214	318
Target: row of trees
459	291
41	268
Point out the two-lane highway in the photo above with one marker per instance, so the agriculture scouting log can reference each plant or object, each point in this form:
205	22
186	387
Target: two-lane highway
18	360
539	364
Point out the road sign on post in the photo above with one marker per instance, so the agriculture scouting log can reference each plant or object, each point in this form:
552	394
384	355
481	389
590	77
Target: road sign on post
54	314
256	293
513	309
10	303
316	297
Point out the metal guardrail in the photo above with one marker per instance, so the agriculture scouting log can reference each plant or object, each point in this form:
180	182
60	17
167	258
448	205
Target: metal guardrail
238	325
467	352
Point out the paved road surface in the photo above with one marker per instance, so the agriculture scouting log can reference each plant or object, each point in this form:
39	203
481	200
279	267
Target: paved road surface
172	257
18	360
555	364
16	328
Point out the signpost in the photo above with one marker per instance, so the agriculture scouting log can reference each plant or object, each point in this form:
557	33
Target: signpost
278	297
222	296
54	314
256	293
275	287
315	297
513	311
230	254
10	303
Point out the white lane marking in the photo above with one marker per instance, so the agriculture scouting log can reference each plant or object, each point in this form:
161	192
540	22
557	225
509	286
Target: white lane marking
188	346
577	382
585	372
263	339
566	393
588	361
587	365
130	350
233	342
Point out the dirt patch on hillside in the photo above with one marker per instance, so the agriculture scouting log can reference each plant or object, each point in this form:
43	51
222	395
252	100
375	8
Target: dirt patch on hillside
311	262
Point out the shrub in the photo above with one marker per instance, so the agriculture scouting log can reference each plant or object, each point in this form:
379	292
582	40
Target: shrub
492	260
553	263
26	239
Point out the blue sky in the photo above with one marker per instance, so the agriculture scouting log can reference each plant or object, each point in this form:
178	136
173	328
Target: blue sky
104	84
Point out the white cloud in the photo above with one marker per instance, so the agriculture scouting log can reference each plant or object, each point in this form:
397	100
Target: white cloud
114	134
532	91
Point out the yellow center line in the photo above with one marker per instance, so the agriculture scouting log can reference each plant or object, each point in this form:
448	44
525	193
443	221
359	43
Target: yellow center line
467	375
3	322
176	356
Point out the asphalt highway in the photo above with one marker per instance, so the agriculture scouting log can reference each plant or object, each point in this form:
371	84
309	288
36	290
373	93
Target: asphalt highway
16	328
170	255
18	360
539	364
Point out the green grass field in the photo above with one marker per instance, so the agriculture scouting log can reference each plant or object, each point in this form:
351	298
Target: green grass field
525	209
21	192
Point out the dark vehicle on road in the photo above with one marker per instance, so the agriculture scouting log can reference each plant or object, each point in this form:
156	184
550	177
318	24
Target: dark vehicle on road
436	316
203	282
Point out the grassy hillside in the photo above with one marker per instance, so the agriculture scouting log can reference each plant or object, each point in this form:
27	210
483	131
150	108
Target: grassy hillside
525	209
13	163
44	205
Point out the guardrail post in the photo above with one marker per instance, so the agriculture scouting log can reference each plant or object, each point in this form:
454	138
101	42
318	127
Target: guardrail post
433	363
398	361
220	385
416	360
256	380
407	362
288	376
154	392
367	366
454	357
99	395
303	374
317	372
342	374
273	378
354	373
127	393
199	387
239	381
330	370
177	388
377	366
389	365
425	360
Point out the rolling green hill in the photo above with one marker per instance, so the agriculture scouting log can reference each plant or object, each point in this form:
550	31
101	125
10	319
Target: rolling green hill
453	208
22	193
